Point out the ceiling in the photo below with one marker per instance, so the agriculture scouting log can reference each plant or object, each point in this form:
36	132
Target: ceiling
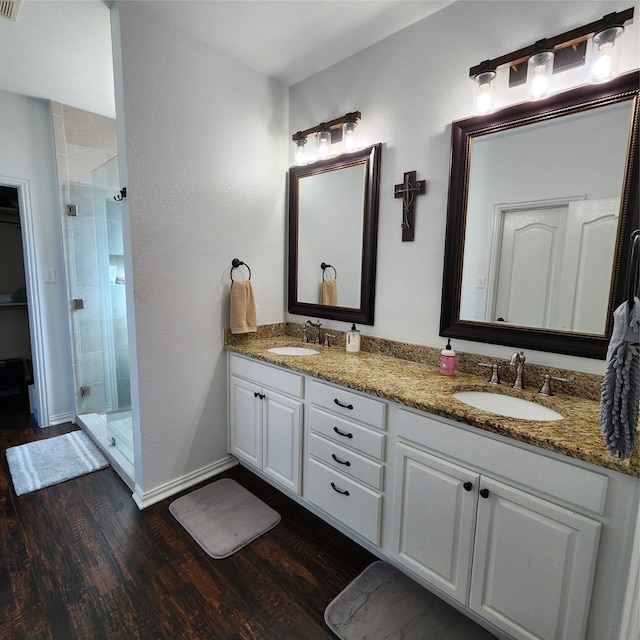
61	50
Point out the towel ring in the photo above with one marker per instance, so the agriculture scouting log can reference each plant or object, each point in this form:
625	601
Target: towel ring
235	263
324	266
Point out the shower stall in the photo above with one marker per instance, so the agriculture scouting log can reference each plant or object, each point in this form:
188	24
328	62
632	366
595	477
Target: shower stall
98	315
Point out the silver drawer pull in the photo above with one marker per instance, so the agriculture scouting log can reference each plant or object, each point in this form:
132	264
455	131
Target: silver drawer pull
346	463
344	406
342	433
344	493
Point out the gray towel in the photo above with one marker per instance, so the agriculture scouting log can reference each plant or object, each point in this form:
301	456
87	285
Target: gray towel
621	385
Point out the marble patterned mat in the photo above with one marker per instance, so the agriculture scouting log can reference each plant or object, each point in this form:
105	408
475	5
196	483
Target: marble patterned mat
223	517
384	604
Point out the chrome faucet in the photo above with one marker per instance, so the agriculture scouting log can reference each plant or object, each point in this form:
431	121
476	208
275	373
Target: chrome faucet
517	361
305	334
317	325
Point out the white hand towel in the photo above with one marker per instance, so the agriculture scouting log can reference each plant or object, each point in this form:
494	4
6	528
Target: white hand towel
243	307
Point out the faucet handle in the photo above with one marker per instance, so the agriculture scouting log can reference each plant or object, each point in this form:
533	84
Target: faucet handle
545	390
495	376
326	339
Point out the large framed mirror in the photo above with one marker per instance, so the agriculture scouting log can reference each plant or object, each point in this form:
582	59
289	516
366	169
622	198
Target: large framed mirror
333	230
543	197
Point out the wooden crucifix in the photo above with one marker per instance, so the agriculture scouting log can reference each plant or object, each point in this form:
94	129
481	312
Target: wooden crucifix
408	190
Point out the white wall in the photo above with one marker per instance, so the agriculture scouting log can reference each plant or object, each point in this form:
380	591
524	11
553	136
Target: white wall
26	144
409	88
206	152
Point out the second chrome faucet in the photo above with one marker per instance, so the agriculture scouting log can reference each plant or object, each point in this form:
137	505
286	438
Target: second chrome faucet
517	361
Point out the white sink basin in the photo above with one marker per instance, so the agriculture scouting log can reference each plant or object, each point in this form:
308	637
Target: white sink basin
293	351
507	405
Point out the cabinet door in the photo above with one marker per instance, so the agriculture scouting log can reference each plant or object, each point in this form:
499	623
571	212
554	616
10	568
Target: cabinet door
245	429
533	565
434	527
282	439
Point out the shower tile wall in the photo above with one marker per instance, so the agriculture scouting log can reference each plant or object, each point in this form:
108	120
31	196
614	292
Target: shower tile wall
83	142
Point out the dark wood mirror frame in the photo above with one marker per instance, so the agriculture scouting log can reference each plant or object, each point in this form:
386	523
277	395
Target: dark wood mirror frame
370	156
625	87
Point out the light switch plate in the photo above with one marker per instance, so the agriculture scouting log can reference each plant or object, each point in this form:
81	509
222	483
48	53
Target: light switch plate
49	274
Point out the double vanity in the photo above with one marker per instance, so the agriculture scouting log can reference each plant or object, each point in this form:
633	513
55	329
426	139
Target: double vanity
523	524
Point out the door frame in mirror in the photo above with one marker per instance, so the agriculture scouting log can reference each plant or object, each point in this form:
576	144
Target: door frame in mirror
370	157
625	87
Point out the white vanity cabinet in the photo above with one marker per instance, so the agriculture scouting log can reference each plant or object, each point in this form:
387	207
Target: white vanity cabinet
514	555
265	419
346	446
534	543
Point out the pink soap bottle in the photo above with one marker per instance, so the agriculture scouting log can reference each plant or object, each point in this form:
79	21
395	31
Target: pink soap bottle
447	360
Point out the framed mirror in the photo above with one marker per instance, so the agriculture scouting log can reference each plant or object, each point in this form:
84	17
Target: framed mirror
543	197
333	229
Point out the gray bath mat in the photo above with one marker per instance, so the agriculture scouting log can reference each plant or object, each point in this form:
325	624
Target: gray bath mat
384	604
223	517
43	463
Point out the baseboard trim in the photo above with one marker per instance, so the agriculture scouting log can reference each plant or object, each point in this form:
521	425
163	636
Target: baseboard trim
60	418
145	499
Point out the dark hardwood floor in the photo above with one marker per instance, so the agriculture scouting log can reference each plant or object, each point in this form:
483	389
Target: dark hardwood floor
79	560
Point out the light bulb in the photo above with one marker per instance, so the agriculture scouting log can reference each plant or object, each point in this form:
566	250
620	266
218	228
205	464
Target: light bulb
324	144
300	157
539	70
605	54
349	136
483	91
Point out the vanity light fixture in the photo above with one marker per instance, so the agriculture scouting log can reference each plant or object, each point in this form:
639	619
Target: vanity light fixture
552	55
328	133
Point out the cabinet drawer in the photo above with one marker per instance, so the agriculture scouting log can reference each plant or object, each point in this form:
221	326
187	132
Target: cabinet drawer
346	461
266	376
347	433
359	508
348	404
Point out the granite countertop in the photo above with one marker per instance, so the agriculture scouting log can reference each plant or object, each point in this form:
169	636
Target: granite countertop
422	387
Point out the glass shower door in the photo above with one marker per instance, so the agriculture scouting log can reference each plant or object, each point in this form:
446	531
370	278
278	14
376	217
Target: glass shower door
111	275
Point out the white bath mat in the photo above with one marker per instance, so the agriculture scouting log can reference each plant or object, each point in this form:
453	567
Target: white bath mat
43	463
223	517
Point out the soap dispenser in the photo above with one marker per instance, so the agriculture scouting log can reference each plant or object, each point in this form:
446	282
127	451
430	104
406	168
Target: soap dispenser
448	360
353	340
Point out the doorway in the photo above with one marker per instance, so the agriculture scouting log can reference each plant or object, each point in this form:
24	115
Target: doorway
15	339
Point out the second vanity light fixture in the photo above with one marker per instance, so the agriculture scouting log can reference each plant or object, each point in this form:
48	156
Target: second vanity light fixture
537	62
326	133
